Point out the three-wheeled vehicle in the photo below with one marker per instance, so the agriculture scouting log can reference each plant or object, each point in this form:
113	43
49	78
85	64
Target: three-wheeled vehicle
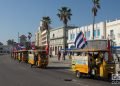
12	54
15	54
38	58
93	63
95	60
23	55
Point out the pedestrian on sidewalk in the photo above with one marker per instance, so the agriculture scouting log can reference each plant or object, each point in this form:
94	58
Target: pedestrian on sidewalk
63	55
59	55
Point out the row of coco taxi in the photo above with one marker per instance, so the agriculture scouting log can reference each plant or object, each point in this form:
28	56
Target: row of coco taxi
38	58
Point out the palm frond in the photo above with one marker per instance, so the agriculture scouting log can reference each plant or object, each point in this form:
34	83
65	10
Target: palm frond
94	11
64	8
64	14
58	15
69	10
98	6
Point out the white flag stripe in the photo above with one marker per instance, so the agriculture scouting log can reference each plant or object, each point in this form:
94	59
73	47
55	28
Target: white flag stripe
81	44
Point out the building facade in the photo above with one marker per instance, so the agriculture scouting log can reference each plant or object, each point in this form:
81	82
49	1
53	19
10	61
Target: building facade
99	33
41	36
103	30
5	49
44	37
57	39
113	31
38	37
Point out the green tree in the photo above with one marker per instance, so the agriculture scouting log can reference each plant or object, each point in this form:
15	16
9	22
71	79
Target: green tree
1	43
96	6
10	42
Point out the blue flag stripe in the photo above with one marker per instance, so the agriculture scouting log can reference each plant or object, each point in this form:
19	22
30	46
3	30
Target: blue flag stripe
80	42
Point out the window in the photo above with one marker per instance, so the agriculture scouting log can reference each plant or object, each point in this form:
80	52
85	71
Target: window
70	36
85	35
111	32
94	33
53	48
98	32
88	34
112	36
73	36
53	35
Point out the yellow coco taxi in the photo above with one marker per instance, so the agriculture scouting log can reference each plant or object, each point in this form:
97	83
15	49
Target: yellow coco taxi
38	58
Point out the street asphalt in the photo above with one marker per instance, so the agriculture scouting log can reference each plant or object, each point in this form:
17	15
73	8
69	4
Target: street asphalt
58	73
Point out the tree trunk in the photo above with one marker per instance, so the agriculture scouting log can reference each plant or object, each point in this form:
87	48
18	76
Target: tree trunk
93	26
64	31
48	39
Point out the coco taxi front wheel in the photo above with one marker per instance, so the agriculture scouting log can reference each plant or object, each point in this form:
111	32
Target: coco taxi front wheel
78	74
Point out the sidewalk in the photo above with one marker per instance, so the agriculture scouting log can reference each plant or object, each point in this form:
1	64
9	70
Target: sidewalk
53	62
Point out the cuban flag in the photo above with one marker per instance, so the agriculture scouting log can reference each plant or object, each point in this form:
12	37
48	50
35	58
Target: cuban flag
21	47
80	41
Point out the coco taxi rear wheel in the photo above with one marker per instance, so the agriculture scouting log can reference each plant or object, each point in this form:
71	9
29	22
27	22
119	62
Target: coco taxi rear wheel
78	74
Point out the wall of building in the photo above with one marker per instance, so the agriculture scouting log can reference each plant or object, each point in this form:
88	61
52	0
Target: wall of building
39	37
103	30
44	37
4	49
88	32
36	39
56	33
56	40
113	31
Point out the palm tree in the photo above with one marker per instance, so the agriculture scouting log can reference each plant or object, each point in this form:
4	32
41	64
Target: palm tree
64	15
96	6
45	26
45	22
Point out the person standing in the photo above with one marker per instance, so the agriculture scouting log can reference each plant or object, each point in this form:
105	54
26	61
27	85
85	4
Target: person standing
64	55
59	55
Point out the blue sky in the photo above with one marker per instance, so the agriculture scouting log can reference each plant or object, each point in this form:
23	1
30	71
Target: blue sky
23	16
